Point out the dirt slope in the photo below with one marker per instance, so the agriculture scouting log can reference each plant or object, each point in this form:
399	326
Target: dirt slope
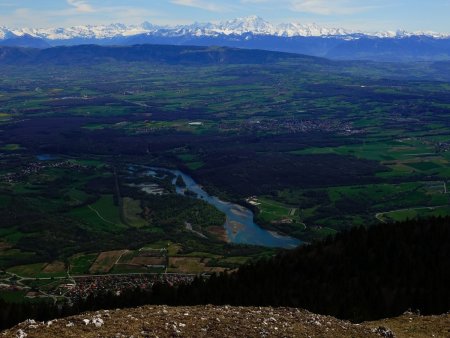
411	325
212	321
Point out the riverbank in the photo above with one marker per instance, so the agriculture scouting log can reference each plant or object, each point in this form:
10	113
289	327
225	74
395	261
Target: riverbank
239	226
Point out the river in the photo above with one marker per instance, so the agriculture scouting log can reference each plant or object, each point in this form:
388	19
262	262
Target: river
239	224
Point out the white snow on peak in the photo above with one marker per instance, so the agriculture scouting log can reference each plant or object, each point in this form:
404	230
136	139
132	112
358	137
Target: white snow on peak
85	32
297	29
258	26
251	24
241	26
6	33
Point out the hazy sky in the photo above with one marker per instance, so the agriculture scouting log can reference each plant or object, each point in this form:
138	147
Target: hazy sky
367	15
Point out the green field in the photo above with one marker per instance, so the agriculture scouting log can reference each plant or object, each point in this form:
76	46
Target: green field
401	215
11	147
80	263
191	161
101	214
132	212
271	211
27	270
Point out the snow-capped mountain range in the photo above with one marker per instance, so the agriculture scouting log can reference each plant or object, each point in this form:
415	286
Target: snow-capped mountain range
249	25
246	33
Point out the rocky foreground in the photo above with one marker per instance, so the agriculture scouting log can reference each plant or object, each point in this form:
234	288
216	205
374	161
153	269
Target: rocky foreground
225	321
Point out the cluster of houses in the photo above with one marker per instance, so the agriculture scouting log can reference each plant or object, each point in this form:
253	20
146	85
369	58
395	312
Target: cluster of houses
253	200
442	147
35	167
293	126
91	285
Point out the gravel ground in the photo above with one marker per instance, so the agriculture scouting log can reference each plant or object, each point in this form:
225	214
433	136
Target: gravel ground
412	325
200	321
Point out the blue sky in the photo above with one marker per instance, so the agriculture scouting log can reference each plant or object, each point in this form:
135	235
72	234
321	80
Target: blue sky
367	15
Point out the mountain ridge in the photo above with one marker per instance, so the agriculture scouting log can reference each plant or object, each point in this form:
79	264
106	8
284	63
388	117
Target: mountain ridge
29	50
247	33
239	26
195	55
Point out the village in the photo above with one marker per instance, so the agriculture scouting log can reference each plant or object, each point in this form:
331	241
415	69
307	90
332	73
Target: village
36	167
76	288
84	286
293	126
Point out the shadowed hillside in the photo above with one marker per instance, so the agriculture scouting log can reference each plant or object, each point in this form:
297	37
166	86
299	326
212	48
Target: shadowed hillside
360	275
92	54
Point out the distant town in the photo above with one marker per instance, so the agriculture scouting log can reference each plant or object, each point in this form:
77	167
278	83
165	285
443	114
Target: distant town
294	126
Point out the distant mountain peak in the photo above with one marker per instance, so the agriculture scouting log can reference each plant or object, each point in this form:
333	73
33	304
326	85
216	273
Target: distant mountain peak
240	26
6	33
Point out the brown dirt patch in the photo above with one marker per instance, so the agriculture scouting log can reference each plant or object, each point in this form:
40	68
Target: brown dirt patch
186	265
105	261
236	227
191	265
148	261
56	266
5	246
219	232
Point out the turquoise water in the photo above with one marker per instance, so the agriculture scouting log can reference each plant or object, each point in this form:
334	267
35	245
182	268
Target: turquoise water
241	228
